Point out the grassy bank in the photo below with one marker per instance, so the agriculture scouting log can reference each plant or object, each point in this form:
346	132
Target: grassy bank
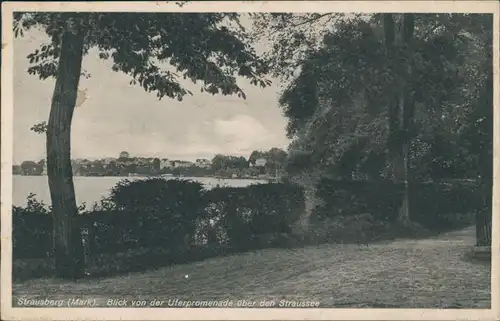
356	230
425	273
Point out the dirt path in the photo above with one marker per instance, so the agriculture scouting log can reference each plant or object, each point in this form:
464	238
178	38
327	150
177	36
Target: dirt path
428	273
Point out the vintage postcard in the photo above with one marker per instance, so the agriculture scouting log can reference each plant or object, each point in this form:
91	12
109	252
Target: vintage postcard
248	160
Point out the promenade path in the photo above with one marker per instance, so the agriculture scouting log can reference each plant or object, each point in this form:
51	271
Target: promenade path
425	273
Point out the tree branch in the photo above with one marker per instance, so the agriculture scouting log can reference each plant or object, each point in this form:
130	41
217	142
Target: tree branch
311	19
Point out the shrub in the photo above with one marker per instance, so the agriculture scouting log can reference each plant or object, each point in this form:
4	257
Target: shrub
157	192
248	212
228	209
147	213
381	199
441	206
345	229
436	206
277	206
107	231
159	216
31	230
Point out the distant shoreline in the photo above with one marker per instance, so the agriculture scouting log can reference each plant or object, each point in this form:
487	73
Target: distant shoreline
161	176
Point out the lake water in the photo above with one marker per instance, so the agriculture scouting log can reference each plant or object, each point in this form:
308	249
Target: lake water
91	189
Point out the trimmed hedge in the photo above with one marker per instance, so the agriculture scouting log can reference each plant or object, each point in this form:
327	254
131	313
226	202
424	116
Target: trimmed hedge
146	213
254	211
172	215
435	205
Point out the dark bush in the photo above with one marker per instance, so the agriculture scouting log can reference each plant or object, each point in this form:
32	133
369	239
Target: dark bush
230	211
277	207
147	213
441	205
157	192
31	230
256	210
380	199
436	206
108	231
157	220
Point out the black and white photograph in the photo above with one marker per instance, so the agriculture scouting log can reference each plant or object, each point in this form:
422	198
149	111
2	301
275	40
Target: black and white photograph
232	160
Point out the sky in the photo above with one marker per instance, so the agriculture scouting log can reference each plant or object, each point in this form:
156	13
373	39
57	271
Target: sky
117	116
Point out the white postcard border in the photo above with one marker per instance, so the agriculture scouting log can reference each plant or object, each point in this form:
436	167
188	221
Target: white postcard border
8	313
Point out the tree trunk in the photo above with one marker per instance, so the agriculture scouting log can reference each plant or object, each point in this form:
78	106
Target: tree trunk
483	226
401	103
308	182
396	105
407	111
404	211
68	247
389	36
484	215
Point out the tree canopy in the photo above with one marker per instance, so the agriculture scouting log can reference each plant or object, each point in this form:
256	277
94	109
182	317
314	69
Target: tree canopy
337	104
208	47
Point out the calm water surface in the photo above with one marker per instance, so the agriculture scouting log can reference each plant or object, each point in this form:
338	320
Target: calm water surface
91	189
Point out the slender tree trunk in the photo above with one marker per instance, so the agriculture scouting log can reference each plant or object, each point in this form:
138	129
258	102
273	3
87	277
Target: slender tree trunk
389	36
407	111
484	215
395	104
483	226
404	211
401	103
68	247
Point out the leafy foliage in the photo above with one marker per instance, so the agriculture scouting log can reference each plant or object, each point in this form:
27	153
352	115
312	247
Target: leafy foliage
337	103
340	116
40	128
172	215
275	155
31	230
380	199
437	206
224	162
158	212
293	37
445	205
208	47
246	214
139	194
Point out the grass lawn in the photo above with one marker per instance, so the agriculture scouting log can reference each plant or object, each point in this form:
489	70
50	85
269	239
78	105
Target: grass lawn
425	273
